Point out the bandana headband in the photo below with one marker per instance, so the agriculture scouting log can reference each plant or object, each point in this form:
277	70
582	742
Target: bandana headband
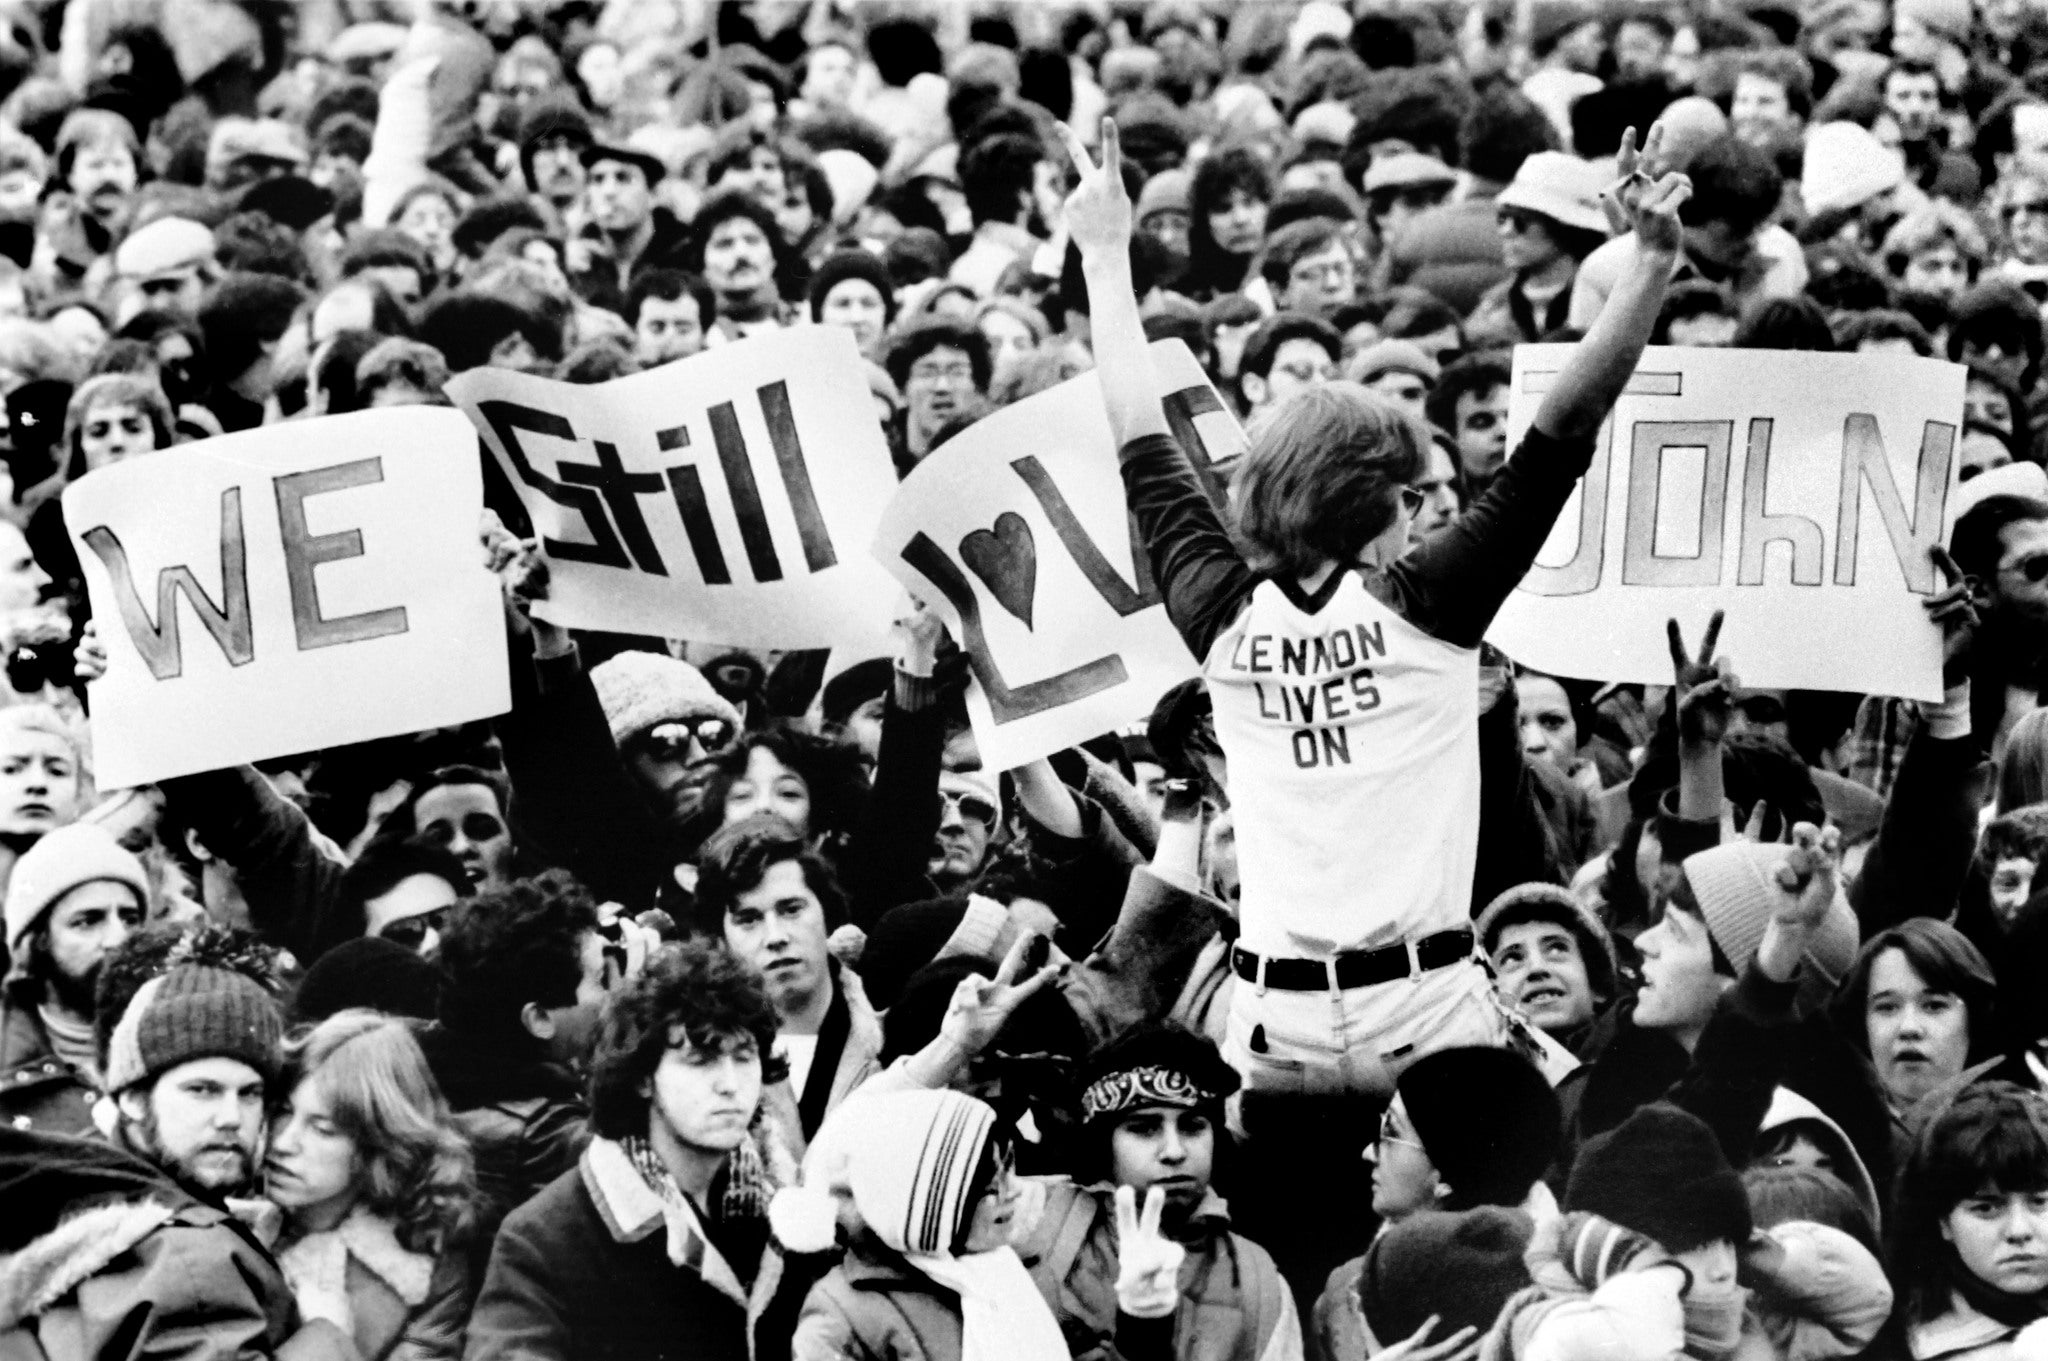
1148	1086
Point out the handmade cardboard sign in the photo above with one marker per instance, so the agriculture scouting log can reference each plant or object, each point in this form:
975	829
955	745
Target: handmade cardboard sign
1798	492
724	498
286	589
1017	531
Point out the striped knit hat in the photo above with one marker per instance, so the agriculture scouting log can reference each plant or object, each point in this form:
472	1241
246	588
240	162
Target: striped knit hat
909	1161
194	1011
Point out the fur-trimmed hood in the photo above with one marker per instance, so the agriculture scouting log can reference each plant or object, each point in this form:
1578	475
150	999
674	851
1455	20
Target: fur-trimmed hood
52	1266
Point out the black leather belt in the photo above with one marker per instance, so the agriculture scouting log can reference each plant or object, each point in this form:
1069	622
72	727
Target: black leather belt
1355	968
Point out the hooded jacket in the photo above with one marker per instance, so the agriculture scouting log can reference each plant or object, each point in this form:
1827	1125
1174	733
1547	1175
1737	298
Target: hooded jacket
103	1254
1234	1306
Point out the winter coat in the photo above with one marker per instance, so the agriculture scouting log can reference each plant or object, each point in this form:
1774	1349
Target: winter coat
1234	1306
404	1306
524	1118
38	1090
878	1309
589	1268
103	1255
1828	1298
1962	1334
852	1025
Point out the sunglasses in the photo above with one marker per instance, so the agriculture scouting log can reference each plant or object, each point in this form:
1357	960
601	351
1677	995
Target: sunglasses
972	807
412	931
672	741
475	827
2034	569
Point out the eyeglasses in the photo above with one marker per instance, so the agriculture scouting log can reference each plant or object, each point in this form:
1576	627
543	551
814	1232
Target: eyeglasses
671	741
1333	271
1306	373
412	931
942	373
2034	207
1515	222
2034	568
1390	1132
972	807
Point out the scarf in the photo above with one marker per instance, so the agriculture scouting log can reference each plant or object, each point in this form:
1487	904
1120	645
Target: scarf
1003	1317
745	1195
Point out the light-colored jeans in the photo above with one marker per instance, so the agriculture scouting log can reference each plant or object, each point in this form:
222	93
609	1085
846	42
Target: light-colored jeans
1357	1041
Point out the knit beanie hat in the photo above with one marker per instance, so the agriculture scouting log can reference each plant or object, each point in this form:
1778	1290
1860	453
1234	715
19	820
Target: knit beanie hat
1460	1267
1394	356
372	972
1736	888
852	263
194	1011
1487	1119
1845	166
640	689
81	853
1167	191
1661	1173
1540	902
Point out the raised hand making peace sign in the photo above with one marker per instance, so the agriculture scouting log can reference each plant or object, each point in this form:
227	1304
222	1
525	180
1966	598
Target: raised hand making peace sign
1639	203
1099	209
1703	689
1147	1261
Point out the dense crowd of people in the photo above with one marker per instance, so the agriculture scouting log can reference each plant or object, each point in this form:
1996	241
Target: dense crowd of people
720	1003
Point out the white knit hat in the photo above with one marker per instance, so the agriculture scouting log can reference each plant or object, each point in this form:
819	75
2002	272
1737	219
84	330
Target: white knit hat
81	853
640	689
1845	166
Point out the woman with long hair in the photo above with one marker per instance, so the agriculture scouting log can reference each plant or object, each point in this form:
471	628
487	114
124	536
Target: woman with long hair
1969	1246
376	1189
1227	222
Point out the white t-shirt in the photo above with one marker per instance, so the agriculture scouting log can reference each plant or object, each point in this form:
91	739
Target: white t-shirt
798	1051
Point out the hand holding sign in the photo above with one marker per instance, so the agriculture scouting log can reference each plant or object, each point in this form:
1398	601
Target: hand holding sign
1955	608
336	597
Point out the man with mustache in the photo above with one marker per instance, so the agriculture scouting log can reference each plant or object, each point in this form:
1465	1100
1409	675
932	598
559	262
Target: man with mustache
126	1245
72	899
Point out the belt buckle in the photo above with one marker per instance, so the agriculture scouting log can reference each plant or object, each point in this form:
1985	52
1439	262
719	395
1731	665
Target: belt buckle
1414	949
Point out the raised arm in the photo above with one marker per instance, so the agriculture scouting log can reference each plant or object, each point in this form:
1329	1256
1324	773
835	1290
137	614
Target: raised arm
1454	582
1600	364
1099	220
1199	571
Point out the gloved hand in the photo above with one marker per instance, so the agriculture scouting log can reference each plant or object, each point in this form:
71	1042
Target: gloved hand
1148	1263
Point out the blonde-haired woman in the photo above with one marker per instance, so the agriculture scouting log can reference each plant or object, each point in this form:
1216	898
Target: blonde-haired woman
376	1189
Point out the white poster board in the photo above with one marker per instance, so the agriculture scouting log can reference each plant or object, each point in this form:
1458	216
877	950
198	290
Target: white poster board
724	498
286	589
1017	532
1798	492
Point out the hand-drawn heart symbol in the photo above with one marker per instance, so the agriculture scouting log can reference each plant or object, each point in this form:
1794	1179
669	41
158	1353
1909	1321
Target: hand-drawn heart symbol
1006	560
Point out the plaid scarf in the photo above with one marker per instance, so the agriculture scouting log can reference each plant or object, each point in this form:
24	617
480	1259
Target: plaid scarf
747	1187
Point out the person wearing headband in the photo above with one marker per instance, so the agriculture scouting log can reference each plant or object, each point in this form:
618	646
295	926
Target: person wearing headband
1152	1133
